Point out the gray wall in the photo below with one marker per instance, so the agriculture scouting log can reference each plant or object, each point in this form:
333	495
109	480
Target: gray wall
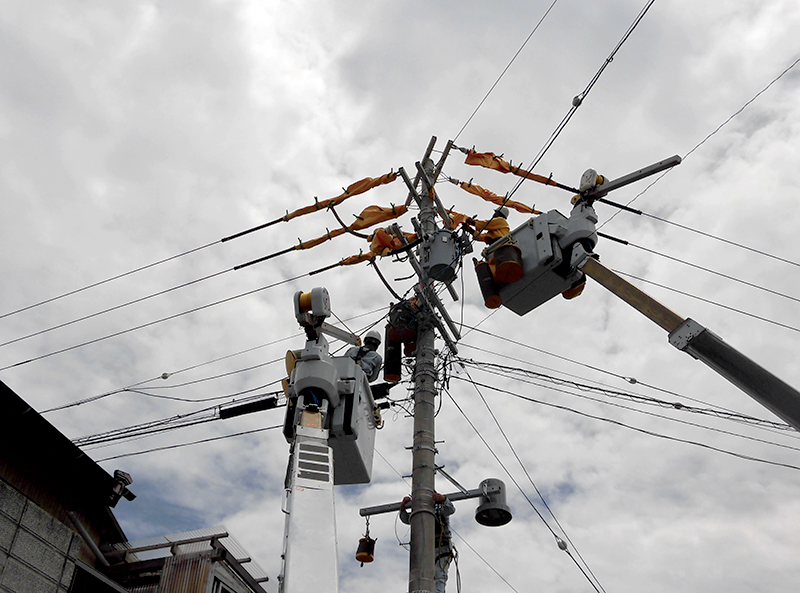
37	552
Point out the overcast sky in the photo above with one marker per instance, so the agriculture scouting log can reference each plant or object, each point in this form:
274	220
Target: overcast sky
132	132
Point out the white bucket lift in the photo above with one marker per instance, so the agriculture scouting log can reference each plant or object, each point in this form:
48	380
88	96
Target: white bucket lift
330	424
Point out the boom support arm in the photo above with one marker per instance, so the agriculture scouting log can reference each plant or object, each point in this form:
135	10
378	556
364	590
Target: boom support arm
700	343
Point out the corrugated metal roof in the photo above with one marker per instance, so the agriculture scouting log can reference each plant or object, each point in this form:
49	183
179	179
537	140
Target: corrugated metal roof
229	542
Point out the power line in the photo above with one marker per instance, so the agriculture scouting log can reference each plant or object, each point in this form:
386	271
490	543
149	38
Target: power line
560	357
578	100
167	375
643	399
642	430
205	399
93	285
218	376
717	238
524	43
710	302
519	487
530	479
694	424
704	269
486	562
189	444
628	379
151	323
115	308
173	422
698	145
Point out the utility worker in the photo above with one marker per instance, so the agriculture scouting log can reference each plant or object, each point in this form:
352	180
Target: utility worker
442	510
490	230
367	356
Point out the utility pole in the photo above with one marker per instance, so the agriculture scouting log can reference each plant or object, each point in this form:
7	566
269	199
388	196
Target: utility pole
423	521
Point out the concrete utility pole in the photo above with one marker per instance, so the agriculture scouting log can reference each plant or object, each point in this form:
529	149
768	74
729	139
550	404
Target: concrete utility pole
423	521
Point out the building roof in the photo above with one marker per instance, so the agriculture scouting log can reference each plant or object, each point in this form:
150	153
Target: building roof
43	464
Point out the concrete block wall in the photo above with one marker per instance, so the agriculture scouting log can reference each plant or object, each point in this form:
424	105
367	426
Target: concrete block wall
37	552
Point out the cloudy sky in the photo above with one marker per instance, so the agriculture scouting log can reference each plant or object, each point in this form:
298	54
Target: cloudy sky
132	132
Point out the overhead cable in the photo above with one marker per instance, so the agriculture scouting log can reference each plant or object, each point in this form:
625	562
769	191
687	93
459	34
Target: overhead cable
710	302
642	430
116	307
717	238
489	92
151	323
167	375
530	479
93	285
713	410
189	444
578	100
559	541
172	422
560	357
699	267
353	189
630	379
698	145
616	405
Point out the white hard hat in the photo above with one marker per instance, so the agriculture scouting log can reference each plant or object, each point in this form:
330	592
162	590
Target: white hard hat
374	335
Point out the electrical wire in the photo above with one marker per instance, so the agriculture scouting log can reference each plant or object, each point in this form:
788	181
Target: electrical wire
486	562
169	423
698	145
642	430
189	368
519	487
489	92
679	421
704	269
189	444
218	376
578	100
530	479
500	370
539	350
710	302
115	308
93	285
205	399
629	379
717	238
151	323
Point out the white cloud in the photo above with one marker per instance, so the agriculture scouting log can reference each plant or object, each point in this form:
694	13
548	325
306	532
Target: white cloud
132	133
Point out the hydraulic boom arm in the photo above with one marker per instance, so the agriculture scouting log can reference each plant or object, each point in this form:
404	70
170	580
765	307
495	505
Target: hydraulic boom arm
691	337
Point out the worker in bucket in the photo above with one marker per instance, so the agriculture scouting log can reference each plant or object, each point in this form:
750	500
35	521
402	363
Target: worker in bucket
367	356
442	509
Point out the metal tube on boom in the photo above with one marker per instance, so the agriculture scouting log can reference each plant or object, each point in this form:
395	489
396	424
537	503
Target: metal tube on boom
689	336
